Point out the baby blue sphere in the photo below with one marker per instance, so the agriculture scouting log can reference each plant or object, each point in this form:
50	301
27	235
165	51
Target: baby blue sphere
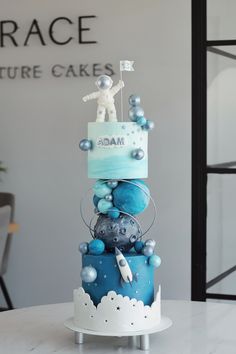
112	184
88	274
134	100
108	197
95	200
135	112
137	154
147	251
149	125
113	213
85	145
141	121
131	198
150	242
101	189
154	260
104	206
138	246
96	247
83	247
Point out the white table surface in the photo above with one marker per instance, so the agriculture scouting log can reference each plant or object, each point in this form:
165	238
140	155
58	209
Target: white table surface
198	328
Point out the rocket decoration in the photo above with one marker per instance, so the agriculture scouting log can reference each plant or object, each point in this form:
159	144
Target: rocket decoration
126	274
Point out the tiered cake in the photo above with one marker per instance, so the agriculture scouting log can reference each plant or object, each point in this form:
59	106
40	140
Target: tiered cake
117	292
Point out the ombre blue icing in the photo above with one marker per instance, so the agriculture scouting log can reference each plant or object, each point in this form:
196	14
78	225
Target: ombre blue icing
111	153
109	277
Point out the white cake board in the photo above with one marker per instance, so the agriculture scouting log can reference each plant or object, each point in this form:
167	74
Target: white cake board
144	334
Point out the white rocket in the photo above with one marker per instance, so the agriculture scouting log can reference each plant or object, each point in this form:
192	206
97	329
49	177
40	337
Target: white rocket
124	268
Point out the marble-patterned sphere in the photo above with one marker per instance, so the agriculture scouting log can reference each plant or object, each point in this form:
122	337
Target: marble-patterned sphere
121	233
104	206
154	260
150	242
131	198
101	189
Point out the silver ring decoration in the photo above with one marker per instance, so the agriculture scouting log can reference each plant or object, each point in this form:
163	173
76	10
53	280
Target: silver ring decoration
89	226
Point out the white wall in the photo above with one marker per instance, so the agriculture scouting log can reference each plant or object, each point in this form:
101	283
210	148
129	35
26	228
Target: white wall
42	121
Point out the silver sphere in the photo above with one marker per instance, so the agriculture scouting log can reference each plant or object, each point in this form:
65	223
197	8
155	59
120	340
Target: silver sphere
147	251
149	125
104	82
83	247
135	112
88	274
137	154
150	242
108	197
134	100
112	184
85	145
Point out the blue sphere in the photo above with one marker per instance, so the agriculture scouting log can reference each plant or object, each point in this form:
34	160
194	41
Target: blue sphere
112	184
96	200
113	213
154	260
96	247
135	112
85	145
104	206
137	154
130	198
134	100
101	189
147	251
83	247
88	274
141	121
149	125
138	246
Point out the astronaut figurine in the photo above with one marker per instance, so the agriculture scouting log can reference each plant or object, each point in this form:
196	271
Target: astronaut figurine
105	98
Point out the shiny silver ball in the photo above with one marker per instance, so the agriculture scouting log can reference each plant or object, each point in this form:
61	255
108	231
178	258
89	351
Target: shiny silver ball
83	247
134	100
147	251
88	274
137	154
108	197
135	112
104	82
149	125
112	184
150	242
85	145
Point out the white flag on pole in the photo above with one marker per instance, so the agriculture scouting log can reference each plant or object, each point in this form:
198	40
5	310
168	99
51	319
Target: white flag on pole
126	65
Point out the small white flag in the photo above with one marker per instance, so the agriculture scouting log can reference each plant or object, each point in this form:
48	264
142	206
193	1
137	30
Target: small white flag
126	65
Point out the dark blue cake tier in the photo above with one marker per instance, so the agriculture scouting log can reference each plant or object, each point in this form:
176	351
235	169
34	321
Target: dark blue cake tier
109	277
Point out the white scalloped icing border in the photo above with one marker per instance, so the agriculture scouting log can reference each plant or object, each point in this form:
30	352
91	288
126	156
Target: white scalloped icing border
115	312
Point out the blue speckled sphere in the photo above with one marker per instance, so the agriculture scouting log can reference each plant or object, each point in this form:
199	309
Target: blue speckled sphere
138	246
88	274
130	198
83	247
101	189
135	112
147	251
137	154
104	206
96	200
134	100
149	125
112	184
85	145
141	121
150	242
113	213
121	232
154	260
96	247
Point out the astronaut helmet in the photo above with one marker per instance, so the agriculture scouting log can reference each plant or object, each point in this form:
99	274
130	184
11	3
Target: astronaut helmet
104	82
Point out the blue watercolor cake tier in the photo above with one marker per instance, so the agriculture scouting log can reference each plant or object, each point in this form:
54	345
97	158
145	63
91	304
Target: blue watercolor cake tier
109	277
115	151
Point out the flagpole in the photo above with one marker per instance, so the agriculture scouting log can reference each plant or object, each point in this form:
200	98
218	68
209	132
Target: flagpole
121	98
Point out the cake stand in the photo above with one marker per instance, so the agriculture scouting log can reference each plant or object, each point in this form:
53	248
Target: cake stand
143	335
